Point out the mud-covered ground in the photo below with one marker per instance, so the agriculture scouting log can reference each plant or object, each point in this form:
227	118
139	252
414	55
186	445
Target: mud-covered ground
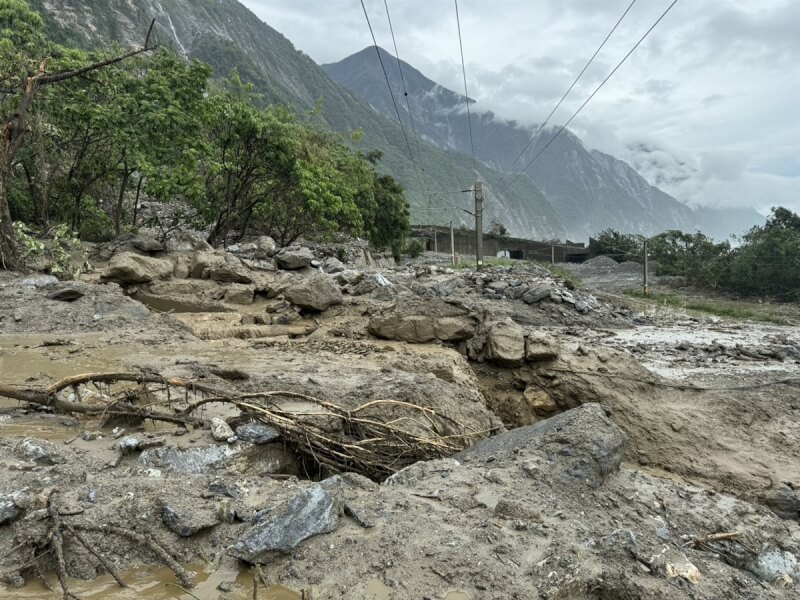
632	440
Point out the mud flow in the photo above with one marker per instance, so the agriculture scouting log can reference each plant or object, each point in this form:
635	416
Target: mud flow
374	431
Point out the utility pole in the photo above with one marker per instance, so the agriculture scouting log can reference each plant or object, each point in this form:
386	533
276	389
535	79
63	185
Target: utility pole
479	223
552	255
435	241
452	244
646	274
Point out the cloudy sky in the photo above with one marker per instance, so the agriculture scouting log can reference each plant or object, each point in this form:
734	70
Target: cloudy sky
714	92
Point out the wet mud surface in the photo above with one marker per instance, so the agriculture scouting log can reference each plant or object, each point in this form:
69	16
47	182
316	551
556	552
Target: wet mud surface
666	432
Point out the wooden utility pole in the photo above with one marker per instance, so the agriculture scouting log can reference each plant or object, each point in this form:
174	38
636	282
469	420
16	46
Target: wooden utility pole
645	266
479	223
552	255
452	244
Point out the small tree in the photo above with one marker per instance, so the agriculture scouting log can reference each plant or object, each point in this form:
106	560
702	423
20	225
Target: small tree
619	246
497	229
768	261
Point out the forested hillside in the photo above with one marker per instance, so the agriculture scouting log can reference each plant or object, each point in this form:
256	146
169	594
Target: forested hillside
226	35
90	135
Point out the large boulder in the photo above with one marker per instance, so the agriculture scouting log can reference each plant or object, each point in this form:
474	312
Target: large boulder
311	512
582	445
189	461
187	241
147	244
294	257
219	266
420	329
505	344
537	293
130	268
541	347
266	246
316	292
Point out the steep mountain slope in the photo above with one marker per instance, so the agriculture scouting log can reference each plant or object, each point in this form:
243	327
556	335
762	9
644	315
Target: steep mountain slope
227	35
589	190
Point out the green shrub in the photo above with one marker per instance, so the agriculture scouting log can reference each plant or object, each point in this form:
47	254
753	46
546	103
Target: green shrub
415	248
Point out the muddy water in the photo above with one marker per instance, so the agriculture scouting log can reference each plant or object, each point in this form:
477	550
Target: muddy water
24	358
155	584
52	431
377	590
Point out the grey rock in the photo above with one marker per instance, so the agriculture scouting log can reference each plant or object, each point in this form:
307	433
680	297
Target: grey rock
540	347
316	292
223	488
498	286
219	266
41	452
187	241
266	246
129	268
505	344
774	563
239	293
784	502
39	281
257	433
311	512
294	257
333	265
65	294
186	523
348	276
582	306
581	445
8	508
220	430
146	244
419	329
189	461
128	445
536	294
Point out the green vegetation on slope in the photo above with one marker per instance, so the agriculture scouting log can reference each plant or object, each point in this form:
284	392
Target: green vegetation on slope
154	126
226	35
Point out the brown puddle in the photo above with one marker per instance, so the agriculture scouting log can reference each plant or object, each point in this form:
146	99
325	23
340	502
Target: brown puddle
29	357
52	432
377	590
154	584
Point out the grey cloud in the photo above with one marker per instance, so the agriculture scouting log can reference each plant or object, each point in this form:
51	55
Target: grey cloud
714	81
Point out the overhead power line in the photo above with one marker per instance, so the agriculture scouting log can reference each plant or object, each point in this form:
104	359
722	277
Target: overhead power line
466	92
574	83
403	81
592	95
391	93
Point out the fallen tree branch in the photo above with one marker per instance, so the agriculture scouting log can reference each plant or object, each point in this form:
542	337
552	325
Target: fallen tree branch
144	540
713	537
376	439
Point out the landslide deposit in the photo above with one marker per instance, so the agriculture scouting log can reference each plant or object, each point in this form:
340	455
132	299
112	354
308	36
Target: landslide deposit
318	422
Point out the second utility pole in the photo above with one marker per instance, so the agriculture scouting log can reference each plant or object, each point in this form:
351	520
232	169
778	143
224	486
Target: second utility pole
479	223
